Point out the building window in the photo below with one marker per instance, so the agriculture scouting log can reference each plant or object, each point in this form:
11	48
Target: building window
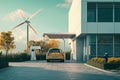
117	12
105	38
93	39
105	45
92	44
105	12
117	45
117	38
105	48
117	50
91	12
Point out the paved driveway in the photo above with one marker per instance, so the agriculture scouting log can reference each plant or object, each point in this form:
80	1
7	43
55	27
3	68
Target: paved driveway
41	70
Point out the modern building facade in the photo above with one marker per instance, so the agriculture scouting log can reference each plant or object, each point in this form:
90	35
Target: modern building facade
96	24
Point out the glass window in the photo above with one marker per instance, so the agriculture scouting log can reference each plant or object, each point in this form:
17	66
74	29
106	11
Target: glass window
105	38
92	50
117	45
105	48
105	12
117	12
105	44
117	50
93	39
54	50
92	44
91	12
117	38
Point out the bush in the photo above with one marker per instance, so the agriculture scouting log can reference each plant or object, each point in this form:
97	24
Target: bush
113	63
18	57
98	60
41	56
25	57
113	60
3	61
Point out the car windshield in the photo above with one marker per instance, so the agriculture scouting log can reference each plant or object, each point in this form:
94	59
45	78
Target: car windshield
54	50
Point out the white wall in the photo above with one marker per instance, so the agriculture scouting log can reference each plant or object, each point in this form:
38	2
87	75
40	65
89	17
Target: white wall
75	17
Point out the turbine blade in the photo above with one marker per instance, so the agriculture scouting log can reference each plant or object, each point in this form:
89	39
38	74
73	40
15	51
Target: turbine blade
19	25
34	14
32	28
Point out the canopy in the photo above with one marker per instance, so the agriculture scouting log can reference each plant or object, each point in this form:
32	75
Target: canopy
59	35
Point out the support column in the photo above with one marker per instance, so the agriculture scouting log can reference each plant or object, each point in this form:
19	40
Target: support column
27	37
84	49
96	46
113	47
88	47
64	49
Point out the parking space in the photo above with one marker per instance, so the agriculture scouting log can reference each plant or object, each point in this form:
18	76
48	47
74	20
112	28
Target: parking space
41	70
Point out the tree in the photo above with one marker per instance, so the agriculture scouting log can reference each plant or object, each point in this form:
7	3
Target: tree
40	43
45	45
6	41
52	44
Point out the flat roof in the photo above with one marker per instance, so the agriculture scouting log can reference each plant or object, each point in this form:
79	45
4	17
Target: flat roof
59	35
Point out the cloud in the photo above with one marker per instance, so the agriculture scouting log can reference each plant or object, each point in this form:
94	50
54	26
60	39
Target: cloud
66	4
19	13
20	35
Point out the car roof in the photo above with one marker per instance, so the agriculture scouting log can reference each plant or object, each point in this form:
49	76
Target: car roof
54	48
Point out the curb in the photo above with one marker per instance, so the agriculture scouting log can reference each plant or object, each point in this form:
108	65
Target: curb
98	68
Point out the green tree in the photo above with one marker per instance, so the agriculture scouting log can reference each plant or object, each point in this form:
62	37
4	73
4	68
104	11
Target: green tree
6	41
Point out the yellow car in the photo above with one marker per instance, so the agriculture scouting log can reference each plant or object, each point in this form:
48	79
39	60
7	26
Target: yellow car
55	54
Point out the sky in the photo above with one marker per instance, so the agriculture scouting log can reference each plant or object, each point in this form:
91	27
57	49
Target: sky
52	18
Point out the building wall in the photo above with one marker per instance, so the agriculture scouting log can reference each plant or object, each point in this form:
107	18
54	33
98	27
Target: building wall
78	20
97	27
74	17
78	24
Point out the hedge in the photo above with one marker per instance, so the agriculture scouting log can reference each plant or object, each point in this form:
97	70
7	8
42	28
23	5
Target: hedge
3	62
18	57
41	56
113	63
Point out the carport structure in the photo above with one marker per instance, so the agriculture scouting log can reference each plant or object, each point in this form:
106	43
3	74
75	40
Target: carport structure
62	36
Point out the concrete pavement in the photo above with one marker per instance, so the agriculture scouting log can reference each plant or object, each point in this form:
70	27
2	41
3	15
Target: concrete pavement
41	70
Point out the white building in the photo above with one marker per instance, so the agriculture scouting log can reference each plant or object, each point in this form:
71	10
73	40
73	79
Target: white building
96	24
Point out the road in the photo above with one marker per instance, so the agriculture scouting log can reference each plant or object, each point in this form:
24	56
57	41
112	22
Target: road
41	70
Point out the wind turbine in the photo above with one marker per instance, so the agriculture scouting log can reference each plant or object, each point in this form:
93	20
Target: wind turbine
26	20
